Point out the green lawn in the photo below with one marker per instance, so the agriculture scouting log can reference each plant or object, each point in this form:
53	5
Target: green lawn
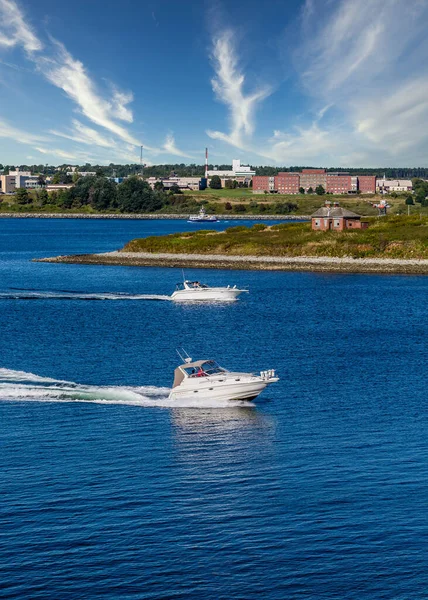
386	237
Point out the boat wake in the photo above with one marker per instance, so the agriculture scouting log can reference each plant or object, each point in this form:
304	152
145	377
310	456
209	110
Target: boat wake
21	386
29	294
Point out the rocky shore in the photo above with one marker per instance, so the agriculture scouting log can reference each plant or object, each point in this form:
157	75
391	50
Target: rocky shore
31	215
263	263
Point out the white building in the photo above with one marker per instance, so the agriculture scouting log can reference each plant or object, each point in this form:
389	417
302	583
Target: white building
81	173
184	183
238	170
385	186
24	179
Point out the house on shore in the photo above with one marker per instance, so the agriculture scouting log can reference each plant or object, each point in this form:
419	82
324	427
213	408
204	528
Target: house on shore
335	218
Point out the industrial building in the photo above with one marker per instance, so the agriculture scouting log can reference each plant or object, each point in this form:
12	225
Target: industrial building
291	182
385	186
184	183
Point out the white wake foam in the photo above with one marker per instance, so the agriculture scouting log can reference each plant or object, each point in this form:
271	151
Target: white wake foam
22	386
63	295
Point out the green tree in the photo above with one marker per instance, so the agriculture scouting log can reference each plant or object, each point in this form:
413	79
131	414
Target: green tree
42	197
135	195
301	190
159	186
174	189
320	190
409	200
41	180
215	183
22	196
310	191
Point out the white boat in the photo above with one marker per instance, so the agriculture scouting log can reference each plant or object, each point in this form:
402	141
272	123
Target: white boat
191	291
205	380
202	216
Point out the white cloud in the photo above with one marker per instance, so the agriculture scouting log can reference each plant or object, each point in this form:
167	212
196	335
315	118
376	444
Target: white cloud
14	30
170	147
228	86
366	65
19	135
84	135
70	75
62	70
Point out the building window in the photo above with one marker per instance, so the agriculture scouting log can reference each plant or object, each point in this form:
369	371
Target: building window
337	223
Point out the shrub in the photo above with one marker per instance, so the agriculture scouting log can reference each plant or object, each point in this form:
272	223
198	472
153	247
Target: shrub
259	227
236	229
240	208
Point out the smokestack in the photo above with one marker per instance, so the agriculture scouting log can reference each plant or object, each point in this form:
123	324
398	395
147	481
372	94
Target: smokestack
206	163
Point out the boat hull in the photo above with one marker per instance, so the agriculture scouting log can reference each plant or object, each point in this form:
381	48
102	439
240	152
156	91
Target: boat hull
202	221
226	391
206	295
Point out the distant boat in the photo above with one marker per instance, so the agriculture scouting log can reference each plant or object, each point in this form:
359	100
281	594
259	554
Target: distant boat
201	217
191	291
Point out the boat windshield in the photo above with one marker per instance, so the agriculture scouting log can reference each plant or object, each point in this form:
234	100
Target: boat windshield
209	367
194	285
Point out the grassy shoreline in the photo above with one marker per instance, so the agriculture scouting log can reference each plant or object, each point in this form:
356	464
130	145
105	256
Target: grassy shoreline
389	245
388	237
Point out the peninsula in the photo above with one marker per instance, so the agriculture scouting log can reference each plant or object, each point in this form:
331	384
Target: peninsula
394	244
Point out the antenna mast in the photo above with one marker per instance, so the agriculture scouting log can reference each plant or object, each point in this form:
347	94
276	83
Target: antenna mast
141	160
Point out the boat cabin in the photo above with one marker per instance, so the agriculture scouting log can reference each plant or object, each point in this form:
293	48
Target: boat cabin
198	368
190	285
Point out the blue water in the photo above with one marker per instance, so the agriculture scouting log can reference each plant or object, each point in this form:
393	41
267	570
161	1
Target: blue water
320	490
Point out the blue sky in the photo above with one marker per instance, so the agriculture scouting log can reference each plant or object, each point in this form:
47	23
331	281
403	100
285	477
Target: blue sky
299	82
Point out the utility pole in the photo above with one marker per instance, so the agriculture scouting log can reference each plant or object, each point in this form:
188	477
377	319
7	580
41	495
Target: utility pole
141	161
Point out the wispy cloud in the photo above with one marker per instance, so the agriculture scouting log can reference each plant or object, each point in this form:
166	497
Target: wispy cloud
370	75
70	75
171	148
52	60
228	86
14	29
19	135
84	135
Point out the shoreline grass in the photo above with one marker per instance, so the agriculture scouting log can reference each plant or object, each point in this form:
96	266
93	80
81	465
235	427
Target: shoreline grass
387	237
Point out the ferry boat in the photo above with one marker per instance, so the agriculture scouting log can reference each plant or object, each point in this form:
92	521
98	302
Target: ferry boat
195	291
203	380
202	217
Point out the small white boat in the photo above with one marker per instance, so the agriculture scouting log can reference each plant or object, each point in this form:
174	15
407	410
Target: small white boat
202	216
193	291
206	380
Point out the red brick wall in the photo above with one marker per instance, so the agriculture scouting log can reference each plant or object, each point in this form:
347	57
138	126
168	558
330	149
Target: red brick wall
287	183
367	184
338	184
260	182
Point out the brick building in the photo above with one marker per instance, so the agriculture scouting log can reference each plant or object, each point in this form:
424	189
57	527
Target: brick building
338	183
367	184
333	183
312	178
287	183
336	218
263	183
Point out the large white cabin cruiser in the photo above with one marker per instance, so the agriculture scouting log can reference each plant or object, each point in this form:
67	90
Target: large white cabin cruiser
206	380
202	217
195	291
